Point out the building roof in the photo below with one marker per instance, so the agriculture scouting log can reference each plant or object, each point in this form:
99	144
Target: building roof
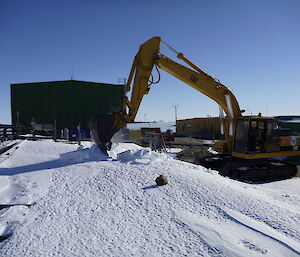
67	81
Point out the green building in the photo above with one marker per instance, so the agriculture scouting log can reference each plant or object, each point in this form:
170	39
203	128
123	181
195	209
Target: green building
68	103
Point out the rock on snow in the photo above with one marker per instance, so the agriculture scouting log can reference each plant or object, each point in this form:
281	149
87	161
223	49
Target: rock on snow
90	205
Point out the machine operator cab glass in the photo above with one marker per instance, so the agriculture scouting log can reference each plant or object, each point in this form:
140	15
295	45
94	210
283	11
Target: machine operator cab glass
257	135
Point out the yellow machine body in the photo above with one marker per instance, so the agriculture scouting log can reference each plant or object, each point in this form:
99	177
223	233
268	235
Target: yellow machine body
236	127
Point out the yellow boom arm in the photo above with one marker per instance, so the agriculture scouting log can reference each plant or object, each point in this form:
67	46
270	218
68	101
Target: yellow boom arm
144	62
103	127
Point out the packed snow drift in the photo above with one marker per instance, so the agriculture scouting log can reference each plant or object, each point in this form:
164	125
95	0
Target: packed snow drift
82	203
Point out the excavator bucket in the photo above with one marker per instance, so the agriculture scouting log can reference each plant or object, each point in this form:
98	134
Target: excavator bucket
103	127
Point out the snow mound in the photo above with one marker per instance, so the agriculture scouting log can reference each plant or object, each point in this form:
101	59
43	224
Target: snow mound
82	154
144	155
118	152
88	204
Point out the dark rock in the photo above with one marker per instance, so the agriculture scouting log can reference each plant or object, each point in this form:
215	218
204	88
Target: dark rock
161	180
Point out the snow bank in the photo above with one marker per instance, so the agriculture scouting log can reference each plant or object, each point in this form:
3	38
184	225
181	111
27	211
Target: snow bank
82	154
144	155
111	206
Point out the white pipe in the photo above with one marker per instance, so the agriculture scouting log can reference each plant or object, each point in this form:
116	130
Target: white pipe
229	105
230	128
221	115
230	112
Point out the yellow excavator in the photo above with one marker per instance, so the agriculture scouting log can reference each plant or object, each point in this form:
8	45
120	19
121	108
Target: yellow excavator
253	148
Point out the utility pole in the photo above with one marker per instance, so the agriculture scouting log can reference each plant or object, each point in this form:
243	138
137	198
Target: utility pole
175	109
54	131
79	136
121	81
72	70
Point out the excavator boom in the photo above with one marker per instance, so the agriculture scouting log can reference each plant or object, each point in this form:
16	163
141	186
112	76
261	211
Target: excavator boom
140	79
103	127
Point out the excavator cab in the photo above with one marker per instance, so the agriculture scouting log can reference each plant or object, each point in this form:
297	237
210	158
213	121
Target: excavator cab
256	135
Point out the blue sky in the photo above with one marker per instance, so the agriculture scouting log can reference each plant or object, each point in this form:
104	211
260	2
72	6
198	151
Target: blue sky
250	46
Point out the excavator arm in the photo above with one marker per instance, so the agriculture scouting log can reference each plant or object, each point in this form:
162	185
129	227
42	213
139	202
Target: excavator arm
140	79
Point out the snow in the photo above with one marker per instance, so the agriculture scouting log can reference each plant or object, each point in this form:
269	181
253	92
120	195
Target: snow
88	204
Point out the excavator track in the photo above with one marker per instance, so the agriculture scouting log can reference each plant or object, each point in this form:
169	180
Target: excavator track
260	170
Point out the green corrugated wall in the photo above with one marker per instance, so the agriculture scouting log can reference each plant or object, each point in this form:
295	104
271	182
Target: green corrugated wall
67	102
